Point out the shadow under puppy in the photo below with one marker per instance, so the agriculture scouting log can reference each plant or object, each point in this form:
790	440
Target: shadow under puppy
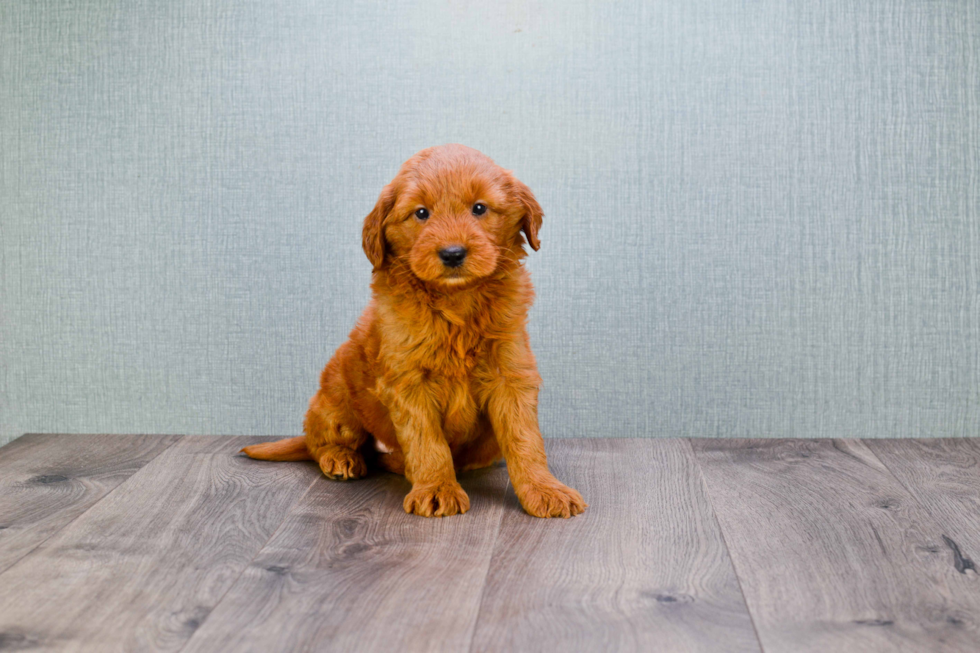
438	375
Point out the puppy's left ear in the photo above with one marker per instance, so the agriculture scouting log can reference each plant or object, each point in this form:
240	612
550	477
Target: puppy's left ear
531	220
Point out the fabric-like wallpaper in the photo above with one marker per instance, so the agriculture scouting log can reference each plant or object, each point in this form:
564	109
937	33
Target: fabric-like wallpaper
762	218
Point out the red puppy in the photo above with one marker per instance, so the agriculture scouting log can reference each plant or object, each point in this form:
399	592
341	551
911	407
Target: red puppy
438	374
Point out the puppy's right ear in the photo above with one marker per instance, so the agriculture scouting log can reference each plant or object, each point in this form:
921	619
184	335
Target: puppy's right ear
373	235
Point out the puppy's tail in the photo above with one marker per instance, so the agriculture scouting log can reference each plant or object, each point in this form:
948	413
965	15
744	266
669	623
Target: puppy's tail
283	450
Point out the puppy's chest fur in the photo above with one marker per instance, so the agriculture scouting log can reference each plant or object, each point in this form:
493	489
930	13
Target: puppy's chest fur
451	348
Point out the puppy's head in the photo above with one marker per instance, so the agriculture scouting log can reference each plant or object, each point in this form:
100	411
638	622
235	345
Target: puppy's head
451	214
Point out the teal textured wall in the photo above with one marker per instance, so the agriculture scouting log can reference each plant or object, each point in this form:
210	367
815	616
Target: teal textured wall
762	218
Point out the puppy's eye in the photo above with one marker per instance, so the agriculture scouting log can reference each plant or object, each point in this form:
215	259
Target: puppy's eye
422	214
479	208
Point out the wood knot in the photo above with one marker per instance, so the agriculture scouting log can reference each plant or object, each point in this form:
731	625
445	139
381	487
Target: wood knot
192	619
961	562
347	527
48	479
668	598
16	641
874	622
354	549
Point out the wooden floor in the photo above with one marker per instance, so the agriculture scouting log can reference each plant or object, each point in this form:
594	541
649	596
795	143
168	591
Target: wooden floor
180	544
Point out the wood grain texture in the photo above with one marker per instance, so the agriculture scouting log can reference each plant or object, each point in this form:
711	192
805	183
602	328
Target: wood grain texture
944	476
349	570
142	569
48	480
837	544
645	568
833	553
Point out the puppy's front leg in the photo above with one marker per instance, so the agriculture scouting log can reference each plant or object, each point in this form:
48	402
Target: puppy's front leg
512	406
428	460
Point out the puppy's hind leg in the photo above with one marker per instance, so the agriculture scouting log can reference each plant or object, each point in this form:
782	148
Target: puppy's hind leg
391	461
334	436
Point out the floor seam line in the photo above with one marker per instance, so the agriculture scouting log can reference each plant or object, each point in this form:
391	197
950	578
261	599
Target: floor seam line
86	511
245	567
724	541
486	576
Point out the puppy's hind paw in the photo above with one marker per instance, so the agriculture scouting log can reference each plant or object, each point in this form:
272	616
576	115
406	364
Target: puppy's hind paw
437	500
551	500
341	463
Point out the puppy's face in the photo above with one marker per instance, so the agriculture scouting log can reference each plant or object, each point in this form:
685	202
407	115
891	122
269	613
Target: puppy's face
451	213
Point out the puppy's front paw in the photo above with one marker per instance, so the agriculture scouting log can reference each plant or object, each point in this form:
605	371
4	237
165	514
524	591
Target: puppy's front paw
551	499
342	463
437	500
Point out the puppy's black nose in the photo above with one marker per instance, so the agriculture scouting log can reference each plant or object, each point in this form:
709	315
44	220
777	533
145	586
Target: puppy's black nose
452	256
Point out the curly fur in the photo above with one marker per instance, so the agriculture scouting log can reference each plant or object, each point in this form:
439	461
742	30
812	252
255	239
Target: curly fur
438	374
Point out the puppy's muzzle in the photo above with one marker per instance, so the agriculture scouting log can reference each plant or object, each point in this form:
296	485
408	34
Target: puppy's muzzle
453	256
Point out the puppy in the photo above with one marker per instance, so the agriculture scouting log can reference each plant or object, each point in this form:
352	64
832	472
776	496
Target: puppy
438	375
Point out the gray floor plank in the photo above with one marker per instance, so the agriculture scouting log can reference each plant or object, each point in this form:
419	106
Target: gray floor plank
644	568
138	543
349	570
833	553
944	475
47	480
142	569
